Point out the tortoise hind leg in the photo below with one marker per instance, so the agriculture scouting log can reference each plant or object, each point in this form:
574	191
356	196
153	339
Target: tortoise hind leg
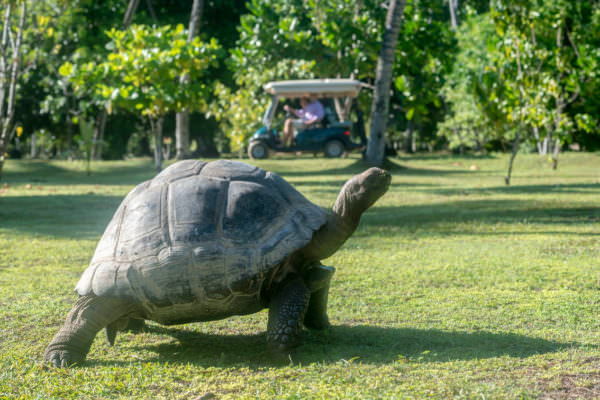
286	313
135	325
127	324
318	280
88	316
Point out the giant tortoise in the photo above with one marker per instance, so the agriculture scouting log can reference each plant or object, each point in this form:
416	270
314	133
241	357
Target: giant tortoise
205	241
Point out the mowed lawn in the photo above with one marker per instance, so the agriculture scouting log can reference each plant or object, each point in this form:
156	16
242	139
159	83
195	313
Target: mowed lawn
454	286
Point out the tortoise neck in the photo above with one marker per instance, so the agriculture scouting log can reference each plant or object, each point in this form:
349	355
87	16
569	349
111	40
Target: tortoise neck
346	210
329	238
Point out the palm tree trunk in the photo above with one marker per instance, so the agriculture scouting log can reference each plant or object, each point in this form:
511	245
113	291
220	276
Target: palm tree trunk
182	118
383	80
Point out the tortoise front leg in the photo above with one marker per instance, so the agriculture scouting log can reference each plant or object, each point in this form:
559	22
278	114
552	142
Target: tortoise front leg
318	280
286	314
89	314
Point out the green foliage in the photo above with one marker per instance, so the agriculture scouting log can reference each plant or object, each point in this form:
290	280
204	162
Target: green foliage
350	33
336	38
74	31
426	52
276	41
468	78
539	62
526	65
467	126
473	120
143	69
64	32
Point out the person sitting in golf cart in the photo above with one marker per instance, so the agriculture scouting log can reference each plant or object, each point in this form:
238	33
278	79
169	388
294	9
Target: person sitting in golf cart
312	111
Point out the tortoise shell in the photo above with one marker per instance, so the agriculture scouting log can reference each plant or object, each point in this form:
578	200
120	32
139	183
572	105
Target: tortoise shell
199	240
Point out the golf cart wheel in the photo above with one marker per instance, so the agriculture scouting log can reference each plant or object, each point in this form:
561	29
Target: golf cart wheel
334	149
258	151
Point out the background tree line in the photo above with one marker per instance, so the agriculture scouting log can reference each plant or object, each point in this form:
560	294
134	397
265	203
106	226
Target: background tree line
96	78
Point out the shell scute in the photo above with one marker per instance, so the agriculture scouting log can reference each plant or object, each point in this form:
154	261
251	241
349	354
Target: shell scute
198	241
232	170
141	231
105	250
192	205
179	170
252	210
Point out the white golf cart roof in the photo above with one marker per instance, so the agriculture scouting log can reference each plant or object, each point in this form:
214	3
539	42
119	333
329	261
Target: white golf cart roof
315	87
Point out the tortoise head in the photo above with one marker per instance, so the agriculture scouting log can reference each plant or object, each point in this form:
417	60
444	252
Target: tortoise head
361	192
358	194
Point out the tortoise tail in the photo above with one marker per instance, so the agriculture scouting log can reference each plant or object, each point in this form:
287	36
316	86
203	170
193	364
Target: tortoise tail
111	334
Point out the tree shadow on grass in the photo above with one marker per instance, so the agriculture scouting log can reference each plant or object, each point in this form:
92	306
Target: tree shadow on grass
445	157
31	171
333	187
47	173
523	189
82	216
359	166
428	216
85	216
366	344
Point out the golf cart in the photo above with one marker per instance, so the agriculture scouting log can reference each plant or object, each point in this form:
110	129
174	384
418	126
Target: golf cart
331	135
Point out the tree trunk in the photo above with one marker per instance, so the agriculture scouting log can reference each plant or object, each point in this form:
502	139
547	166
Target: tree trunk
156	125
131	8
206	147
7	110
4	69
360	125
383	80
3	146
453	6
409	137
538	141
151	11
68	133
555	154
557	120
517	140
182	118
98	138
182	135
342	109
513	154
33	151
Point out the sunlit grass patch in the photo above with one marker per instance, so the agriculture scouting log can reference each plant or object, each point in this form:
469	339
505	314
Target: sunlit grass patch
454	286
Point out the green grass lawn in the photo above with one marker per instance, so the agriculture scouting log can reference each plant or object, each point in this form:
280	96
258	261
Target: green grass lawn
454	286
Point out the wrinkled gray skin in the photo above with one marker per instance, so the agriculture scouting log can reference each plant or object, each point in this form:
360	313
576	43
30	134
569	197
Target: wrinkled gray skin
205	241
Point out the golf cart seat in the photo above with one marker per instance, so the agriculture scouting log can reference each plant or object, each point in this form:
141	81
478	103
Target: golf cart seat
329	118
341	124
